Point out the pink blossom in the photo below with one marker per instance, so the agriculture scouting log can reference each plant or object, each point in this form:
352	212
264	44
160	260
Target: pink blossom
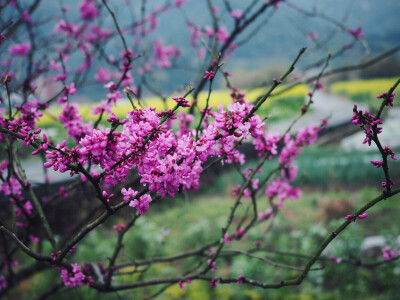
69	89
318	85
34	239
20	49
119	228
25	17
236	14
222	34
335	260
201	53
267	214
28	207
73	121
164	54
61	77
377	164
63	191
102	75
212	265
141	204
312	36
239	233
73	278
214	283
181	101
267	143
281	189
179	3
227	239
209	75
388	255
352	218
128	194
391	183
389	99
357	33
240	279
363	216
182	283
257	243
88	10
208	31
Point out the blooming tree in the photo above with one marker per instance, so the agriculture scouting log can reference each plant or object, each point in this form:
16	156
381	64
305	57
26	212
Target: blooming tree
166	151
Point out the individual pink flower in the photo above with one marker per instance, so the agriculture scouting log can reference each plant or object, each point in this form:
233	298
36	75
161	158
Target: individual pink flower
63	191
377	164
257	243
318	85
179	3
214	283
129	194
335	260
164	54
267	214
362	216
357	33
212	265
34	239
209	75
240	279
141	204
119	228
182	283
391	183
208	31
88	10
227	239
236	14
181	101
312	36
25	17
20	49
222	34
102	75
389	254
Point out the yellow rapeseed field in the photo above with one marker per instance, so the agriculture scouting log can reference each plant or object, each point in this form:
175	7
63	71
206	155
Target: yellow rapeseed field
217	97
373	87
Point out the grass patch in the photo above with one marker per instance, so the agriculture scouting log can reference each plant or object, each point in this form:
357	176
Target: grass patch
299	227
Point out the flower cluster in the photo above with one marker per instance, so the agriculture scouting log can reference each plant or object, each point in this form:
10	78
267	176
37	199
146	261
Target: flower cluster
390	99
368	122
74	277
389	254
